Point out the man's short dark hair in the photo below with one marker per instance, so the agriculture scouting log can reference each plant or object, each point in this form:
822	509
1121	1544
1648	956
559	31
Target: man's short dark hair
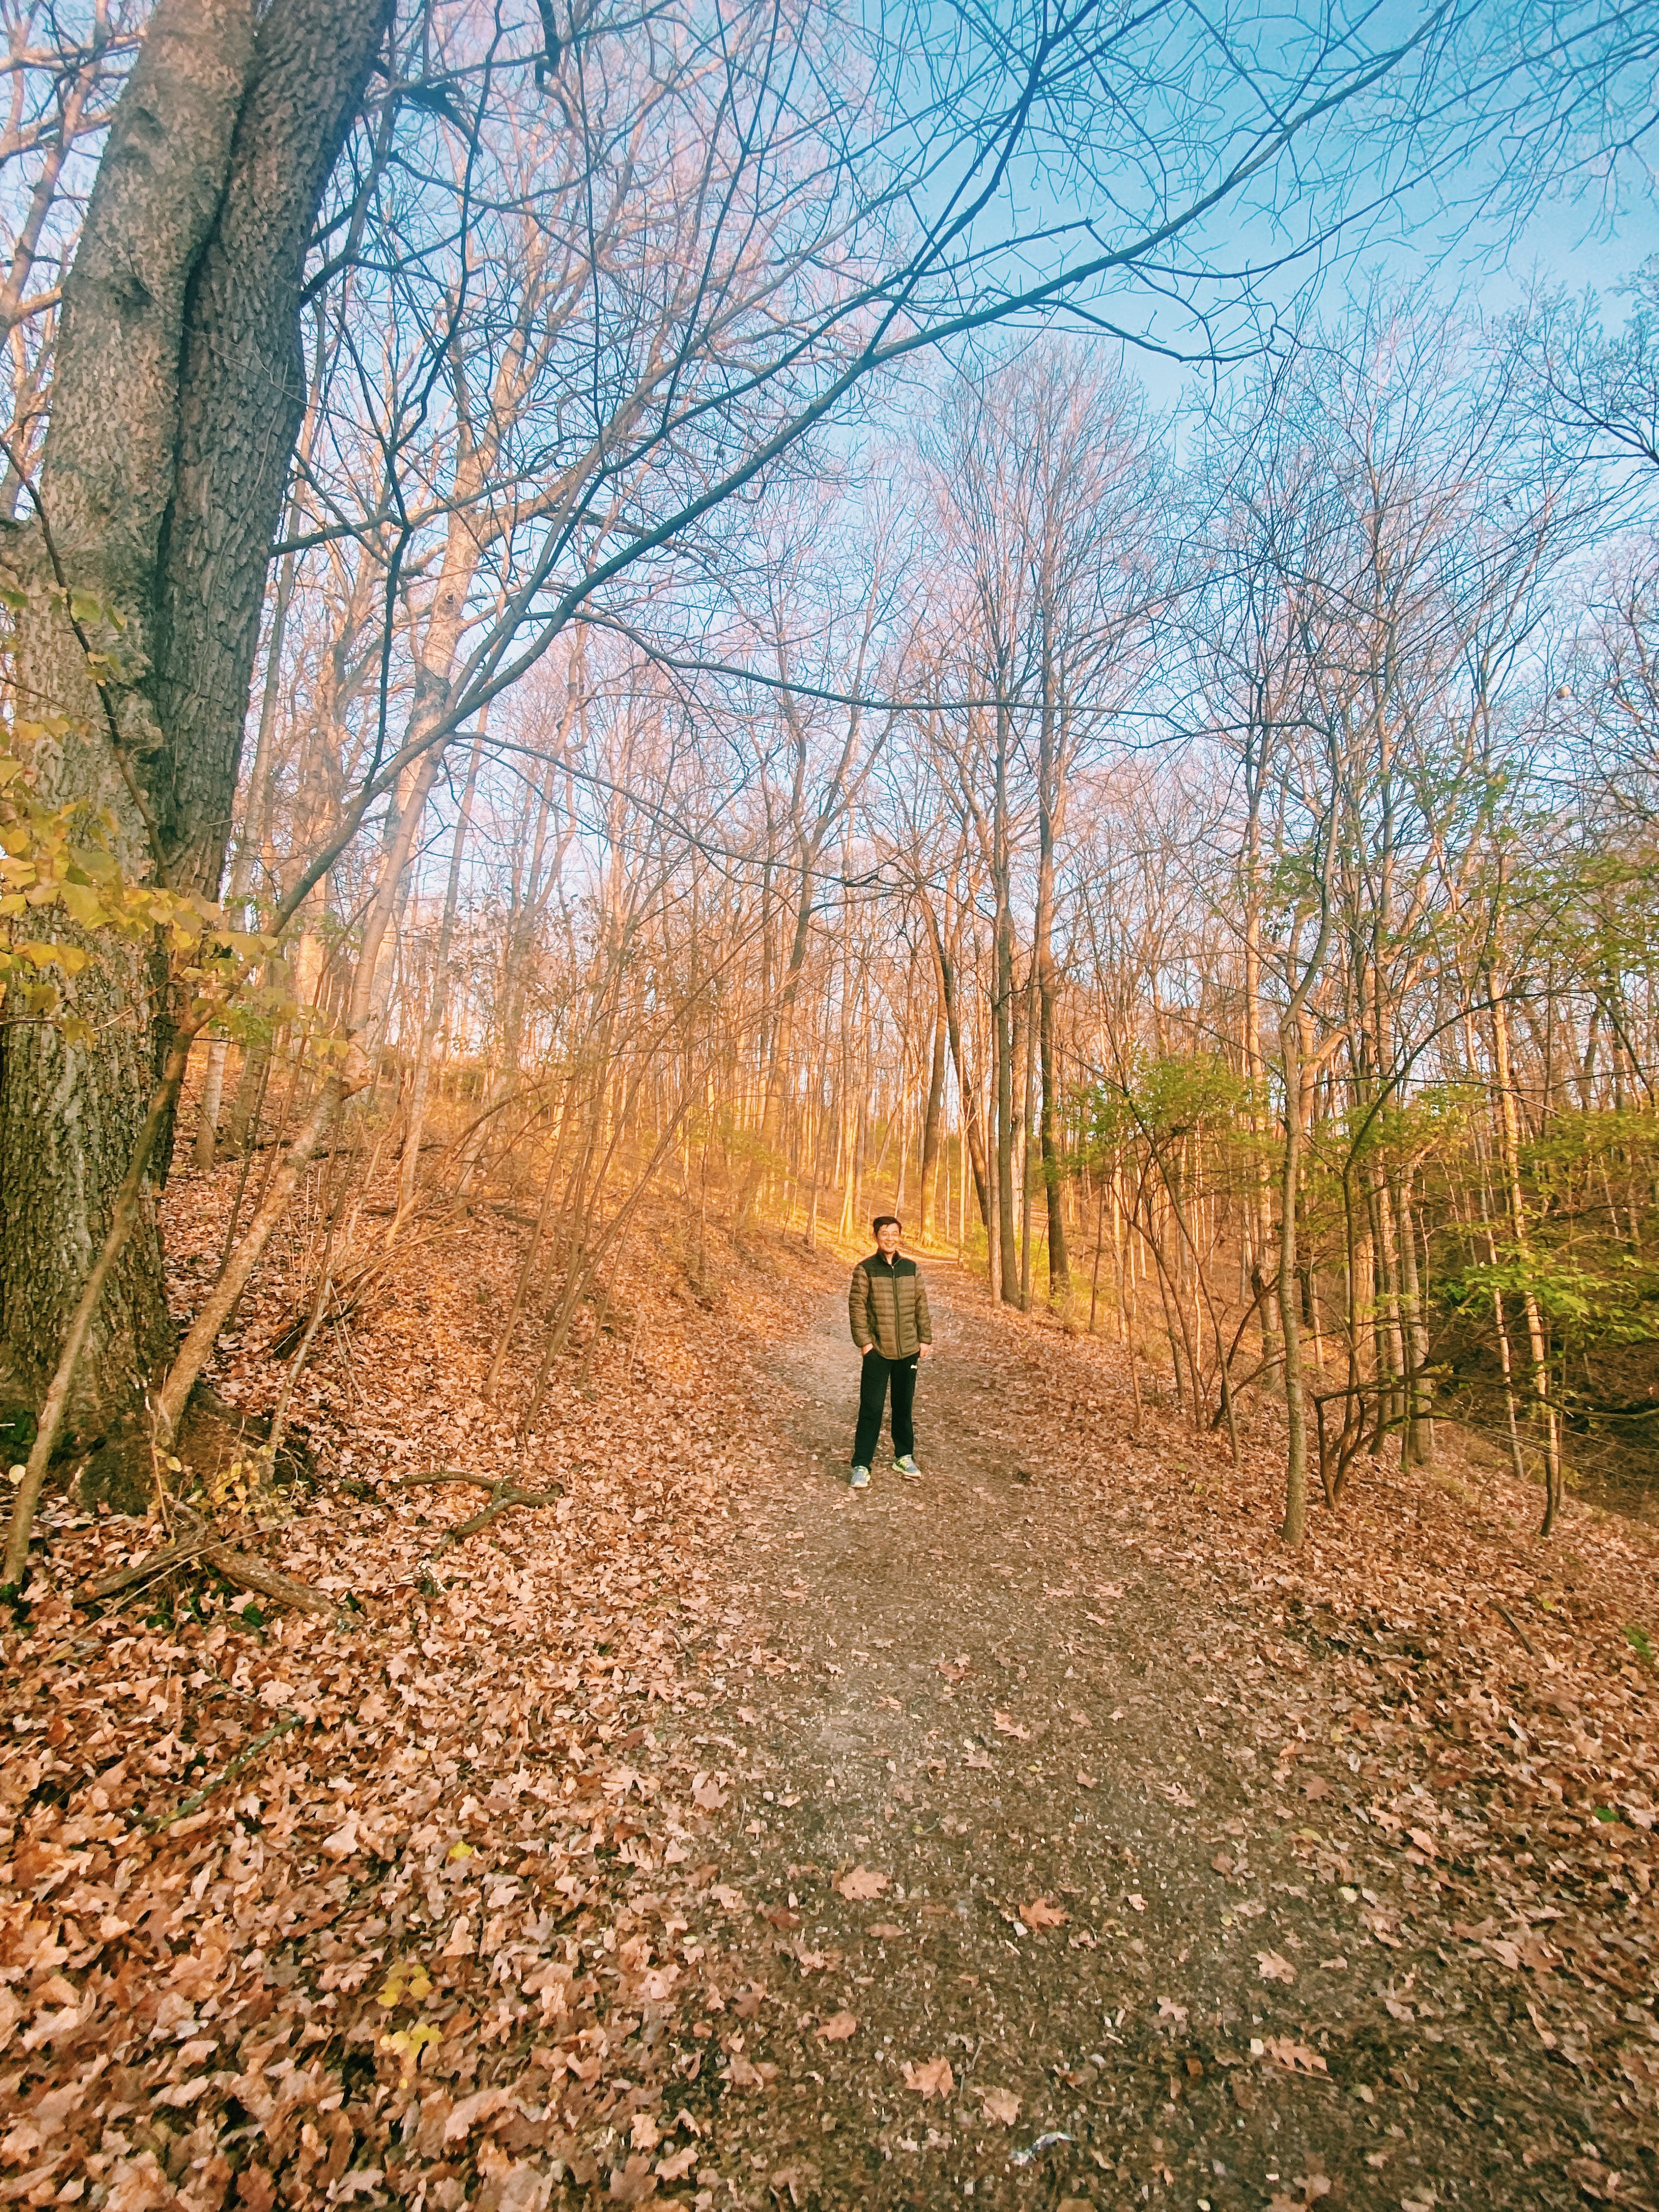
884	1221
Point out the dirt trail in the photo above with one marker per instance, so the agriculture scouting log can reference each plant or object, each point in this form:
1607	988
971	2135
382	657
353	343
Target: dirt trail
997	1688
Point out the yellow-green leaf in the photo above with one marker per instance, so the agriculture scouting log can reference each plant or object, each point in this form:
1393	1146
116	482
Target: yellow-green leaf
83	905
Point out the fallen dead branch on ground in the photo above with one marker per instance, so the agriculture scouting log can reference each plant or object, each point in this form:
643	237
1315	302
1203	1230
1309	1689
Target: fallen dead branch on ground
503	1497
242	1570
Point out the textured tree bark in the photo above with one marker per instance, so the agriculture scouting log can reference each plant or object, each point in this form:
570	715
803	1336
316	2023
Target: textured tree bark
69	1115
241	401
176	400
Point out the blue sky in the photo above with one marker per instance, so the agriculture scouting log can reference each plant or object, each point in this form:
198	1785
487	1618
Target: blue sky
1508	128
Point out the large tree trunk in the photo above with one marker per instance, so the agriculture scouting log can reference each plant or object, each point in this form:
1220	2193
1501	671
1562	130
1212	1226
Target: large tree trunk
69	1115
176	400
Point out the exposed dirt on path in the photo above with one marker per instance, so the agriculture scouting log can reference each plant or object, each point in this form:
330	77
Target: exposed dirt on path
1123	1874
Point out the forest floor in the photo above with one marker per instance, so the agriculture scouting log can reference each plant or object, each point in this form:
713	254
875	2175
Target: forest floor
1037	1833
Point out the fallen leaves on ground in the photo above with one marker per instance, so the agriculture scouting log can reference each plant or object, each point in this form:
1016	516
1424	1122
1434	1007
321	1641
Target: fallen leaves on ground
457	1914
929	2077
467	1896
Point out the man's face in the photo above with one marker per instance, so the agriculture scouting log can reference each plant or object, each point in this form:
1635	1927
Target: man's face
887	1238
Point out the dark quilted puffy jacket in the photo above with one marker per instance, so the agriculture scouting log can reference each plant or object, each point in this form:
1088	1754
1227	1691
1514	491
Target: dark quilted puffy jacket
887	1306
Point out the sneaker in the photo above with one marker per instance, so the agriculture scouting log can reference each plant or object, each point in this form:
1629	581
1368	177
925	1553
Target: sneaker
861	1478
907	1467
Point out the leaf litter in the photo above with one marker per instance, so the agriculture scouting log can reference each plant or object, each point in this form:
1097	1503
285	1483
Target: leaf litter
459	1933
442	1935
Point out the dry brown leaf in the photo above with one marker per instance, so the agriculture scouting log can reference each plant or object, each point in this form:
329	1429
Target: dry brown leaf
1039	1913
467	2114
1295	2057
860	1883
929	2077
1000	2106
633	2183
1272	1968
838	2028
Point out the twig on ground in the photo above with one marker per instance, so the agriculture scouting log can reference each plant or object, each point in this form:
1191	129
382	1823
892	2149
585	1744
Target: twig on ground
503	1497
447	1474
1516	1628
243	1759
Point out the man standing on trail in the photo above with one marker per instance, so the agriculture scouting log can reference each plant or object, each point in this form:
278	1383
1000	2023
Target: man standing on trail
887	1310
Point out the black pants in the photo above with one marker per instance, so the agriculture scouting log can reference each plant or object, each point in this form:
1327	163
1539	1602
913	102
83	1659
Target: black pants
873	1396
